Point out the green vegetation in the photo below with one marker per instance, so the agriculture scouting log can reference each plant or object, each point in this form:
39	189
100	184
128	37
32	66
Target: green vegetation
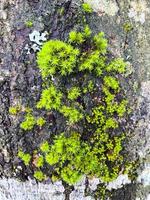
61	11
57	57
111	82
72	114
29	24
39	175
89	87
87	8
127	27
78	37
44	147
76	156
100	42
25	157
75	37
50	99
117	66
81	87
28	123
74	93
40	121
14	110
40	161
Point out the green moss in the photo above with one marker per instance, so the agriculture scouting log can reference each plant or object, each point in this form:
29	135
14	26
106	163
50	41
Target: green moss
40	121
127	27
50	98
81	86
76	37
72	114
70	176
87	8
44	147
117	65
39	175
121	108
52	158
40	161
29	24
110	123
100	42
28	123
87	32
111	82
25	157
74	93
61	11
89	61
14	110
89	87
100	192
57	57
77	156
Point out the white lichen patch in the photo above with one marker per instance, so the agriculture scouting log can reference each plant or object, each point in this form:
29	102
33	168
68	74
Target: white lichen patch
108	7
81	184
27	48
93	183
121	180
35	47
144	177
12	189
78	192
38	37
138	11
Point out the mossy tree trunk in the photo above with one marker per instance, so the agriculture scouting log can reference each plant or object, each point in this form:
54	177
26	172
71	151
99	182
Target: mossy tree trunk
126	25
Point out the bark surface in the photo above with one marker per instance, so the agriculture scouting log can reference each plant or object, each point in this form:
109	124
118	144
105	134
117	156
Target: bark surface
126	24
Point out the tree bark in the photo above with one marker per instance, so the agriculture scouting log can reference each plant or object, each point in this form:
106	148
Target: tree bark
126	24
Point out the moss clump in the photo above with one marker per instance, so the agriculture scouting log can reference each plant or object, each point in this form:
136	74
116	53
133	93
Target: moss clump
14	110
44	147
57	57
25	157
81	86
40	121
111	82
74	93
100	42
87	8
75	37
127	27
29	24
40	161
39	175
76	156
72	114
50	98
28	123
78	38
116	66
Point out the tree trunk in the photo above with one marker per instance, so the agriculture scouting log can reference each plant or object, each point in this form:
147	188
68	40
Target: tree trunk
126	24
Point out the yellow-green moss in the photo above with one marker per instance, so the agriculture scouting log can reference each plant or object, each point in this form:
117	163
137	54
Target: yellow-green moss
81	85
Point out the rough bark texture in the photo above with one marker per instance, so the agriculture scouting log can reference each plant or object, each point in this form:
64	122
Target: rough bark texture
20	83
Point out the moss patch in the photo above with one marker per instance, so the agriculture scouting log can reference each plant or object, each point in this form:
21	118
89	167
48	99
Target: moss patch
81	85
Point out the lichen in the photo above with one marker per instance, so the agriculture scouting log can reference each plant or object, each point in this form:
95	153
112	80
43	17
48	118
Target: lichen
106	7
